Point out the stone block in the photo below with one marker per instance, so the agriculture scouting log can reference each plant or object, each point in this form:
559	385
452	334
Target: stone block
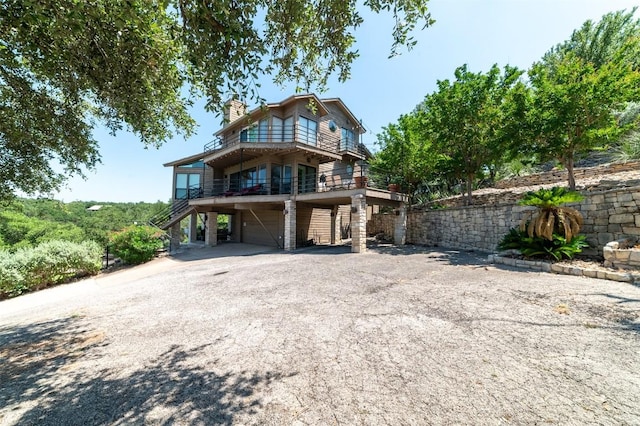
622	218
621	255
618	276
631	230
591	273
597	199
625	196
604	238
614	228
634	256
558	269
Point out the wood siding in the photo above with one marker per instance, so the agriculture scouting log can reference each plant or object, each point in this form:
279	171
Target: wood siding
254	233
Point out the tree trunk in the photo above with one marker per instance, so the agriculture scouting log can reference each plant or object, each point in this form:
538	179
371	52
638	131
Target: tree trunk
469	190
572	179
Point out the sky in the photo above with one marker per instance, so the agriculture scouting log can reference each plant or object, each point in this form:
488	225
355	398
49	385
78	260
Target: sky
478	33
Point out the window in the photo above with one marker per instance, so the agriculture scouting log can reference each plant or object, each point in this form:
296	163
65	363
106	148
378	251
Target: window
307	131
196	165
187	185
257	132
306	179
348	140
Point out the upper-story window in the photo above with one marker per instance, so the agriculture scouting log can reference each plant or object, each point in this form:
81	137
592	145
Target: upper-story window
187	186
196	165
348	140
257	133
307	131
282	130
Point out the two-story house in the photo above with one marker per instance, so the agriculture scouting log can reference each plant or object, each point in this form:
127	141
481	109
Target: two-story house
287	174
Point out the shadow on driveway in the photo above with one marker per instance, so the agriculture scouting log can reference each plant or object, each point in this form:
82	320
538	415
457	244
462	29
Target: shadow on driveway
173	388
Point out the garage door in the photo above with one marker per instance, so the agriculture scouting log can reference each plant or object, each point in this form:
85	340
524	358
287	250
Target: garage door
254	233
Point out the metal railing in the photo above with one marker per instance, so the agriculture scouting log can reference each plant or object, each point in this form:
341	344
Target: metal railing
289	134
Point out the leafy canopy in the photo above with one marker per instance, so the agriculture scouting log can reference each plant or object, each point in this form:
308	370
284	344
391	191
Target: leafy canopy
579	84
67	65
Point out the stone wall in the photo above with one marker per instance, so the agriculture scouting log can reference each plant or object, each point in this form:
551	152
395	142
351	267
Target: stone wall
608	215
557	176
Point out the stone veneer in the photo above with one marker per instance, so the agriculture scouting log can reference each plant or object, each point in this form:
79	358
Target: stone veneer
608	216
622	254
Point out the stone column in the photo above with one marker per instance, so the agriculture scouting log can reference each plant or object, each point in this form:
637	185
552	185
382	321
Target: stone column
358	223
289	225
334	223
400	226
193	227
176	236
211	230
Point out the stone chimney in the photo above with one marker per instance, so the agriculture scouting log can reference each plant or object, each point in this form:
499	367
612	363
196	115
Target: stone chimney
233	109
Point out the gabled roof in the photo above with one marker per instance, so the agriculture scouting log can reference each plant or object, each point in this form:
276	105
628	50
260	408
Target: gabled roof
347	111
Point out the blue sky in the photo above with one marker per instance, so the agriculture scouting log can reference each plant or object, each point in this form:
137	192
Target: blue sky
476	32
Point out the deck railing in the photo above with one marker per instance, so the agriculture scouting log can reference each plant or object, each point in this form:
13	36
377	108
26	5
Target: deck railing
289	134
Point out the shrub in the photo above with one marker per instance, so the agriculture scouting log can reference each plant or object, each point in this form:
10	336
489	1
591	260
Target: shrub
539	247
136	244
47	264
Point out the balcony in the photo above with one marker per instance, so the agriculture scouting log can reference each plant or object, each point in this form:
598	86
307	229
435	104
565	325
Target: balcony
254	142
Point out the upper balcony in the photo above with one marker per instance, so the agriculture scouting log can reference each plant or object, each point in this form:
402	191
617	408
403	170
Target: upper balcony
255	142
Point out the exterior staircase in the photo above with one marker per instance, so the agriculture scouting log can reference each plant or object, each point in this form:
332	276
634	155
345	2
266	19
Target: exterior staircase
174	213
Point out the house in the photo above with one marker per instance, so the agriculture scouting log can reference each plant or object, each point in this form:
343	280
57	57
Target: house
288	174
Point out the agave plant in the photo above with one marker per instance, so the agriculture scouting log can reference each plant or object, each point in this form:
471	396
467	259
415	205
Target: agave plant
551	217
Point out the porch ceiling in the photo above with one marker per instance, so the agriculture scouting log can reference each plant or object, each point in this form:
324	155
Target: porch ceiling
248	151
326	199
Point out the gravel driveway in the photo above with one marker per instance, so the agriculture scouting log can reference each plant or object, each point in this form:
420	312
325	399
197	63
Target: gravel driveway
398	336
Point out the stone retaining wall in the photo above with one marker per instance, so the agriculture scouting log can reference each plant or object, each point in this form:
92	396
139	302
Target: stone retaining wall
555	176
608	215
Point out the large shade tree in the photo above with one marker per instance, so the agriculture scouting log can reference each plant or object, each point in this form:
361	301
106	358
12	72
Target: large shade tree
66	65
579	84
467	119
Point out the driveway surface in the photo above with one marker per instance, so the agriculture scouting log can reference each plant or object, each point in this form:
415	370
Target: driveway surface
398	336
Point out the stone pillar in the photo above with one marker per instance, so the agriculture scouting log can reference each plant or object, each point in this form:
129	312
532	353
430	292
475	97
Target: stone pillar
335	223
176	237
358	223
193	227
290	225
400	226
211	229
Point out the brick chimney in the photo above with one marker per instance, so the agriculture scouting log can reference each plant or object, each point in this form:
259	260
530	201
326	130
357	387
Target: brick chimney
233	109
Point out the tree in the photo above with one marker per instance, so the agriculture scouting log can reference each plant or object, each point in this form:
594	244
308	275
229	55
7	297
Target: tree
466	119
405	156
578	86
66	65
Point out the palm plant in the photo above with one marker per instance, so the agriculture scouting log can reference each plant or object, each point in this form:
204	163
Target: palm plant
551	217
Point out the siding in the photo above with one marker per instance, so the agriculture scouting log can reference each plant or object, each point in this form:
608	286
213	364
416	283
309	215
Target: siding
254	233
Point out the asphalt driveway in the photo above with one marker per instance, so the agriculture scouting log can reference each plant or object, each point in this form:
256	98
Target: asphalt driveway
408	336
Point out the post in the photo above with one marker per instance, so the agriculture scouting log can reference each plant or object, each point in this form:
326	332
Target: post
358	223
400	226
211	229
289	213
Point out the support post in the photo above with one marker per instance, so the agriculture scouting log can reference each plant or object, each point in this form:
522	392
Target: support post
358	223
289	225
176	237
193	227
334	223
400	226
211	230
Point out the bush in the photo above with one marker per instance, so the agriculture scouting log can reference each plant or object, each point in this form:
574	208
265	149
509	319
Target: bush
136	244
47	264
537	247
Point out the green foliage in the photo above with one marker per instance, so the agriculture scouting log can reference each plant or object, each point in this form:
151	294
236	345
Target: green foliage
28	222
466	120
536	247
578	86
47	264
550	198
136	244
66	65
551	219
